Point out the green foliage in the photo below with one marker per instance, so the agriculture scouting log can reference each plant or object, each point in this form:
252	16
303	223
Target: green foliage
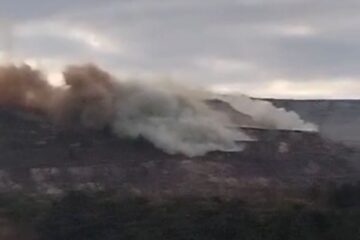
345	196
106	216
83	216
21	208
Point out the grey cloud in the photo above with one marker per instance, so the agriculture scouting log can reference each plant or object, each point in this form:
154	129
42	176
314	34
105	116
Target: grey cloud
50	46
18	10
170	36
315	57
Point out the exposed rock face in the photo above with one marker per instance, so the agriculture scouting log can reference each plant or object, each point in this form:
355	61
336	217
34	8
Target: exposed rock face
38	157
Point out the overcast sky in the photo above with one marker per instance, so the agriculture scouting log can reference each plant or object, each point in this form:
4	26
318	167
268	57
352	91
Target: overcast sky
267	48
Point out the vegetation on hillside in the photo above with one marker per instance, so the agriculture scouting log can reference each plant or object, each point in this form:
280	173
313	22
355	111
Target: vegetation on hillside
107	216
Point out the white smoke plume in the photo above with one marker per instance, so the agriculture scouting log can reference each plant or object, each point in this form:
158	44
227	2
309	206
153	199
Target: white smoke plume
267	115
173	118
175	121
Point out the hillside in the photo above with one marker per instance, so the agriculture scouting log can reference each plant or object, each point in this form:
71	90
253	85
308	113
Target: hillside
39	157
338	120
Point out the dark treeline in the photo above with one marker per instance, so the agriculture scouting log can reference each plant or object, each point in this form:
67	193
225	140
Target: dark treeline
106	216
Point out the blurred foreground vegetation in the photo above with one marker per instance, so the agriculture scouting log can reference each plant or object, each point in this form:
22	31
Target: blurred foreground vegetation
107	216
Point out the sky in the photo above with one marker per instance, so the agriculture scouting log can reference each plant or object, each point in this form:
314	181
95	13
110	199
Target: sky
263	48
